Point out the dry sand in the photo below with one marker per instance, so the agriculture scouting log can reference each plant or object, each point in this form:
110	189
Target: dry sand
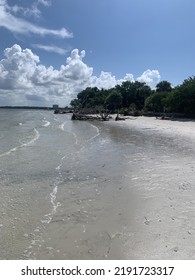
167	182
178	127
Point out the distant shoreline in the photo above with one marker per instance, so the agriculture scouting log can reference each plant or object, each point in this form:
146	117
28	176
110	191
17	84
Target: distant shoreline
33	107
26	107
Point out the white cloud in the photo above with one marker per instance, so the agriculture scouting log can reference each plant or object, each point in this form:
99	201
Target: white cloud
17	68
150	77
105	80
44	2
33	11
25	12
20	71
19	25
24	81
54	49
75	69
129	77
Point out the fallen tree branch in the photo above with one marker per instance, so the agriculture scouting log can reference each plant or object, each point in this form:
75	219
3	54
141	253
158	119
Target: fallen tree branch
83	117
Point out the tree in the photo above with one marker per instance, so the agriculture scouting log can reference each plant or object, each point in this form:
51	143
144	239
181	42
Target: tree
182	99
143	91
114	100
127	92
90	97
157	102
134	92
163	86
75	103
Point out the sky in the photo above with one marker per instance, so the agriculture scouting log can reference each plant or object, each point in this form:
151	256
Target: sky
50	50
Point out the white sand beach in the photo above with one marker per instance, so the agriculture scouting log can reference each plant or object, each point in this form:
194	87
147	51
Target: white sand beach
179	127
166	180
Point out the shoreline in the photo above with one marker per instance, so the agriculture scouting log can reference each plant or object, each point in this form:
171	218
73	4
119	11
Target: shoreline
107	190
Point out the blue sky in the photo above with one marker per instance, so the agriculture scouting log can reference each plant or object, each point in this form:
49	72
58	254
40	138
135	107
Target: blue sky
52	49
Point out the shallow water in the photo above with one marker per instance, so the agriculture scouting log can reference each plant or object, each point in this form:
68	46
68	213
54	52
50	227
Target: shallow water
93	190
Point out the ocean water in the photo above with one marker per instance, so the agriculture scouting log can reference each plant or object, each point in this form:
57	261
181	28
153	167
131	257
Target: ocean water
92	190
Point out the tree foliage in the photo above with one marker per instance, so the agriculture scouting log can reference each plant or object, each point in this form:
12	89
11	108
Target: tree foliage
140	96
182	99
163	86
134	92
75	103
157	102
114	100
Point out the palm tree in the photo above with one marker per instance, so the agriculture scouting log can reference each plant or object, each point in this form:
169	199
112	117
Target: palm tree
163	86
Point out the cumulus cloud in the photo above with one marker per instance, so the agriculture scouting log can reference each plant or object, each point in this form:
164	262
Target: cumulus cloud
129	77
20	70
106	80
17	68
75	68
16	24
150	77
24	81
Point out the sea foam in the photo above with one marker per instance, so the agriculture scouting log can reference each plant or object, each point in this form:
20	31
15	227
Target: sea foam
32	141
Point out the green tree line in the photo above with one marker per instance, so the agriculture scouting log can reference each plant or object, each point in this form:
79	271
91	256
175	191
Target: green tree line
137	96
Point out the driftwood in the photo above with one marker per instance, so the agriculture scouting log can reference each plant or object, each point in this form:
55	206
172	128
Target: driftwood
61	111
83	117
118	118
166	117
105	116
